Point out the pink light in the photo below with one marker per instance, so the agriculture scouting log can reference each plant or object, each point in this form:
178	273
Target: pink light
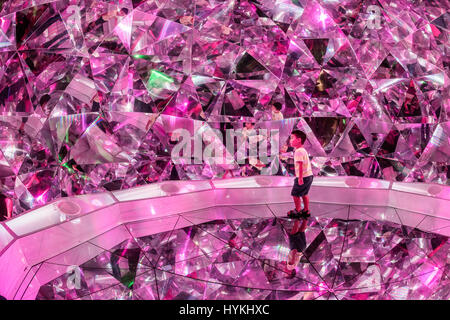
322	287
125	249
431	276
322	18
183	253
292	43
96	202
163	31
33	179
40	199
184	106
172	121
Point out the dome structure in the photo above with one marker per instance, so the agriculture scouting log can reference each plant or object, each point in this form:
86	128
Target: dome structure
114	113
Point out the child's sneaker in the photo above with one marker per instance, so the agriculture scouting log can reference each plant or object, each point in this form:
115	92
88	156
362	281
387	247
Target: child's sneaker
294	214
305	214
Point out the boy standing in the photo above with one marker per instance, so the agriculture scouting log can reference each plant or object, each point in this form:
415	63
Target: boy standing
304	176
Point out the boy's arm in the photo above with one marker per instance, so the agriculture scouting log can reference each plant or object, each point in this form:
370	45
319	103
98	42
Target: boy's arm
299	159
300	172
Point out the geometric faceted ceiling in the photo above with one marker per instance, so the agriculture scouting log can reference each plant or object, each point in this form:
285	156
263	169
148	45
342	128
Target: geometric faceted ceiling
90	91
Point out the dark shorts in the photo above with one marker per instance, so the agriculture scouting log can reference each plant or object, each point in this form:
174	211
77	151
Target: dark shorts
297	241
301	190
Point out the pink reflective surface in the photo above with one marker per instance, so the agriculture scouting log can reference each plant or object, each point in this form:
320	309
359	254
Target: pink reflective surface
191	233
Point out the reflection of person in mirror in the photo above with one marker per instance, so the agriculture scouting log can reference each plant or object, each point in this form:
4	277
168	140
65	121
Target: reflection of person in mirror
297	244
303	173
252	137
6	207
276	111
187	20
229	164
225	30
425	131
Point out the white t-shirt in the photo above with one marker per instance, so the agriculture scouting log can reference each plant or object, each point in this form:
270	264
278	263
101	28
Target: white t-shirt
302	155
277	116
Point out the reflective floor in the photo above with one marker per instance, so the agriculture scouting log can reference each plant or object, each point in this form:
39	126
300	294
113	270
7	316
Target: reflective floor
351	255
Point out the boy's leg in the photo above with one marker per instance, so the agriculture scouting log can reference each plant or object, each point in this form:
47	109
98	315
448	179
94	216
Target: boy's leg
9	207
305	197
306	202
298	207
296	197
298	203
296	226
